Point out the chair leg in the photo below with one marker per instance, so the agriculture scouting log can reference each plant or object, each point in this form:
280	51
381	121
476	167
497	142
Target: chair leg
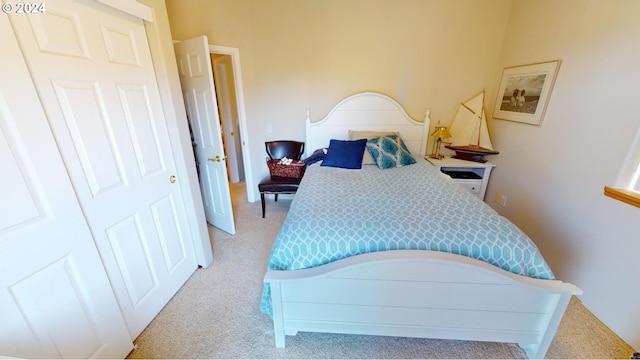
276	194
262	201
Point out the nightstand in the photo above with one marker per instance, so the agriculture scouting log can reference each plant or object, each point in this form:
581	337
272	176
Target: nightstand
473	176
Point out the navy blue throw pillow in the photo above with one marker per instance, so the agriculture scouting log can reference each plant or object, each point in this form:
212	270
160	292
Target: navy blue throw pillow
345	154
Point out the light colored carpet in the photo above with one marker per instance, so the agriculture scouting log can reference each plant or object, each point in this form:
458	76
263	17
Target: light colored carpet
216	313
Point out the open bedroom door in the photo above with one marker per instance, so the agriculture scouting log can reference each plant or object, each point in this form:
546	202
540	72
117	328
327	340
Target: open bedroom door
196	79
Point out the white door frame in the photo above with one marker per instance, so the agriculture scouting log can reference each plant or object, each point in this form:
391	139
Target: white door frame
242	118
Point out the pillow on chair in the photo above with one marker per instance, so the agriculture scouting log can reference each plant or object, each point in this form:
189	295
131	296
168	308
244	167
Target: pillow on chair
345	154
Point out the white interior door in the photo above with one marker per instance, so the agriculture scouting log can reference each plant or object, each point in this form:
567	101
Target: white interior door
196	78
55	297
92	68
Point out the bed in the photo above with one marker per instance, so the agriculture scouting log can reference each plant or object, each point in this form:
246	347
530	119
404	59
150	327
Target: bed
404	251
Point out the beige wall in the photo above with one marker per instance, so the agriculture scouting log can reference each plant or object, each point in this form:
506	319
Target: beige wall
307	55
303	54
554	175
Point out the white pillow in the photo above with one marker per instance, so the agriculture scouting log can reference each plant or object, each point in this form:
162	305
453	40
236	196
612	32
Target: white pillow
366	134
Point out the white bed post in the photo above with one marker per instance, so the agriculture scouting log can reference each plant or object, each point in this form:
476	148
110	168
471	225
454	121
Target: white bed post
307	127
425	133
277	312
540	350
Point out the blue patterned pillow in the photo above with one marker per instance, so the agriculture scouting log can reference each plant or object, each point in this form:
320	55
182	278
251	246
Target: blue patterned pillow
389	152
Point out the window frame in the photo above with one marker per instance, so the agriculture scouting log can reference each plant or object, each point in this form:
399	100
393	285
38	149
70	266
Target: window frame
627	186
626	196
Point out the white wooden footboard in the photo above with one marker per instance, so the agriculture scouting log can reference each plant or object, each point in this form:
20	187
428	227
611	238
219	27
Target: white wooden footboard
419	294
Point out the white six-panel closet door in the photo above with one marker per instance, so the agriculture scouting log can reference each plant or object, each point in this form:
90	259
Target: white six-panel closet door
55	297
92	68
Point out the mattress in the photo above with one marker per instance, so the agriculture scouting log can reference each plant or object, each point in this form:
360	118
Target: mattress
338	213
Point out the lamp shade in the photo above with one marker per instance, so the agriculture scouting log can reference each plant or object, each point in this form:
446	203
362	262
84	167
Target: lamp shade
442	133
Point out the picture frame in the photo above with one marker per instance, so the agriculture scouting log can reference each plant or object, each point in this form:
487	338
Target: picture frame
534	83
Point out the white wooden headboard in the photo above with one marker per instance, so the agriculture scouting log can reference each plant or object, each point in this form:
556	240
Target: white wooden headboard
372	112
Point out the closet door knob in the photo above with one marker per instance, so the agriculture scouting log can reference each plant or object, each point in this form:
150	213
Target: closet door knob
172	179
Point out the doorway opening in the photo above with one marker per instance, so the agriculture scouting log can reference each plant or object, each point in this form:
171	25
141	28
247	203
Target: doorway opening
225	63
228	114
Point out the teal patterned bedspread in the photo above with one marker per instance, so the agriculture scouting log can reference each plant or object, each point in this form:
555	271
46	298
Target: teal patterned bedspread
338	213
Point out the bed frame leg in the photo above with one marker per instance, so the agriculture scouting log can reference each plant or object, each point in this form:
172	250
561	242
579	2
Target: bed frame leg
540	349
280	340
277	313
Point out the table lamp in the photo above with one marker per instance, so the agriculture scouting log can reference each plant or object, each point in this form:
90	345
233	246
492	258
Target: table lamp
439	134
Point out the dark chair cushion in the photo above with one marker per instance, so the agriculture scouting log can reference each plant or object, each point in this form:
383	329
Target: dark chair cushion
278	184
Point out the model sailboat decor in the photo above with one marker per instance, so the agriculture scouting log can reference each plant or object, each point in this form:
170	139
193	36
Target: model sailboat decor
469	132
